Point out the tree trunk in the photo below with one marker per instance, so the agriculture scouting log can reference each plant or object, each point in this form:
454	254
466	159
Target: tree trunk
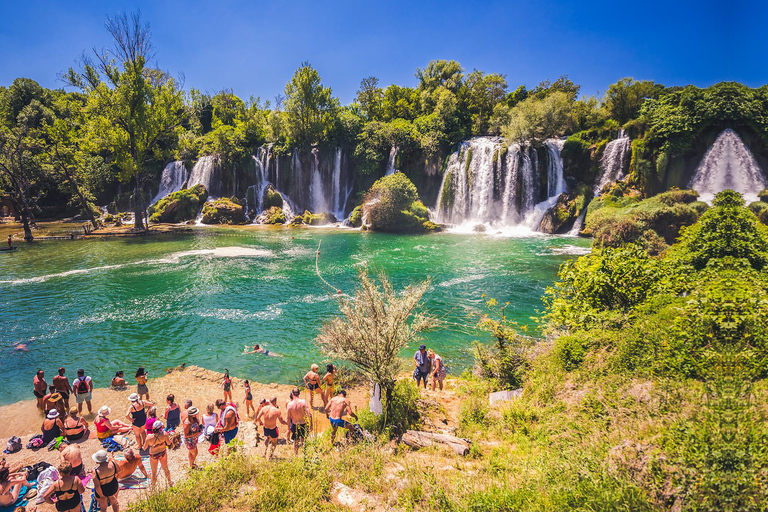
138	208
22	208
83	201
417	439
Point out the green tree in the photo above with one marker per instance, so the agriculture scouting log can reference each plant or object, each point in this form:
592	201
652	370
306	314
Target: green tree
538	119
370	97
624	98
24	114
440	73
309	106
134	109
481	94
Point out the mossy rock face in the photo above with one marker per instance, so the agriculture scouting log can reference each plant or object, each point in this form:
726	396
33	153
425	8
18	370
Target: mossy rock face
561	217
431	226
223	211
356	217
318	219
392	205
763	195
179	206
274	215
272	198
760	209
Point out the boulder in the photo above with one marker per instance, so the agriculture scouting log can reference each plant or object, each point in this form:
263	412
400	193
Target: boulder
272	198
223	211
179	206
274	215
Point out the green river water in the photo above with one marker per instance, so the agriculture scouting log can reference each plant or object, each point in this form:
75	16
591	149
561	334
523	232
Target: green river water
199	297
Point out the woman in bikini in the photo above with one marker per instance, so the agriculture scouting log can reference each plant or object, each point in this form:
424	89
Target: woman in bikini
105	481
328	378
192	429
68	490
138	416
172	413
141	383
10	485
75	427
156	443
248	398
226	383
313	383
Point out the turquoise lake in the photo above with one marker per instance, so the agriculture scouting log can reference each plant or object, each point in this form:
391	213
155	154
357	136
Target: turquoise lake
199	297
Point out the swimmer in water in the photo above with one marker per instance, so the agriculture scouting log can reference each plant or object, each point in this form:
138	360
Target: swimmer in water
257	349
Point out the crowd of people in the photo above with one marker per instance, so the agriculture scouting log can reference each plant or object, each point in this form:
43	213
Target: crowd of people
149	430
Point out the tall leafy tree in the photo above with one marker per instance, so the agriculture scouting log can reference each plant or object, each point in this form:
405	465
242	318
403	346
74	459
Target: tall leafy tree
134	109
370	97
24	114
309	106
624	98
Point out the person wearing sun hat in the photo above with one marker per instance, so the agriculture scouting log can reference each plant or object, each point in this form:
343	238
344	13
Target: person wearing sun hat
156	443
137	413
105	480
105	427
52	426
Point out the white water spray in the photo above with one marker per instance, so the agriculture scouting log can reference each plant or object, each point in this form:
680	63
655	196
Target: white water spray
173	178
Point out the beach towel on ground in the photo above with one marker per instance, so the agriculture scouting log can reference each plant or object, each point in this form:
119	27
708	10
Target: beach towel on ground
111	445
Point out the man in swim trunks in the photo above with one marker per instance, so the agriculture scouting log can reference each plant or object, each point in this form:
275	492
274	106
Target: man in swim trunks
312	381
337	407
269	416
300	417
61	383
228	420
71	454
125	468
40	388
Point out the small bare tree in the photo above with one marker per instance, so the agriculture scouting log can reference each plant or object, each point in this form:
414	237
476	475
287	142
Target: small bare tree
374	327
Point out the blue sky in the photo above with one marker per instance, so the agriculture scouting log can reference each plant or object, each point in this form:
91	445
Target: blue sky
254	47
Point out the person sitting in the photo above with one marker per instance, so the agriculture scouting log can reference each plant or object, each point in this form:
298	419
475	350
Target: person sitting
10	486
118	381
52	426
106	428
75	427
126	467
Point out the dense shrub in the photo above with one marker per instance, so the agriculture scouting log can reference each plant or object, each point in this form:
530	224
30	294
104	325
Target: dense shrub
392	205
179	206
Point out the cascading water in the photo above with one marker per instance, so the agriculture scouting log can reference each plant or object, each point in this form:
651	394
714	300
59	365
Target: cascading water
317	195
391	161
339	196
482	185
202	173
728	164
173	178
613	161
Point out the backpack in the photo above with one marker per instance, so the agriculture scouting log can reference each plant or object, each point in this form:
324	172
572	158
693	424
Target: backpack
35	442
14	445
82	386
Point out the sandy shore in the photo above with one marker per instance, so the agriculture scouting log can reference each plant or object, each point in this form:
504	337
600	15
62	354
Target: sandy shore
24	420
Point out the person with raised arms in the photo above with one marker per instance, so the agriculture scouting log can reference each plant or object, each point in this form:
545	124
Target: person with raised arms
268	416
300	417
337	407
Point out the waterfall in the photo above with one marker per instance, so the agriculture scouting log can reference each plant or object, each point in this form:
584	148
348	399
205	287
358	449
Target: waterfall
339	196
202	173
391	161
728	164
555	179
578	223
613	161
173	178
317	195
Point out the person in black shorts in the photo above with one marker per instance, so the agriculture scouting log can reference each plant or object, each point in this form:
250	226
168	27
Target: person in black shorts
300	417
423	366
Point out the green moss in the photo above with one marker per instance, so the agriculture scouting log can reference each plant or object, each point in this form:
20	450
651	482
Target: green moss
763	195
275	215
449	191
356	217
179	206
223	211
272	198
760	209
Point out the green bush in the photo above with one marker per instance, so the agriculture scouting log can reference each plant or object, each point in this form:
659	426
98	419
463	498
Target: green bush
179	206
570	352
223	211
275	215
403	413
392	205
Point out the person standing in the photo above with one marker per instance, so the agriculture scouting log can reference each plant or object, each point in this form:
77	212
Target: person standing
61	383
192	429
329	378
141	383
157	443
68	490
423	366
300	418
40	388
438	369
10	241
228	421
137	415
248	399
337	407
268	416
83	387
105	482
226	383
172	413
312	382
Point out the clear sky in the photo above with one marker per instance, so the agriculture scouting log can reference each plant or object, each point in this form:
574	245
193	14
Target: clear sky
253	47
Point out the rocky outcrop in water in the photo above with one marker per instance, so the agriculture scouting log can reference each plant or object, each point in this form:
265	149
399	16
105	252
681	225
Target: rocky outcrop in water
179	206
569	207
223	211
